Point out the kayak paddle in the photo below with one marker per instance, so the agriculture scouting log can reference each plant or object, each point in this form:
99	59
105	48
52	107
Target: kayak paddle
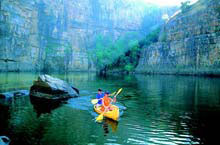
94	101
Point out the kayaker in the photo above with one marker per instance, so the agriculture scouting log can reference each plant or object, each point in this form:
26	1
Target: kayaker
106	102
99	96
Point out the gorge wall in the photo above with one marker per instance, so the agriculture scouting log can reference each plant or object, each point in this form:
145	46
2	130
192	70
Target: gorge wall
54	35
188	44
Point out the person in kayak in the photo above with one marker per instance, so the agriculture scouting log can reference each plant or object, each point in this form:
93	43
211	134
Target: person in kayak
106	102
99	96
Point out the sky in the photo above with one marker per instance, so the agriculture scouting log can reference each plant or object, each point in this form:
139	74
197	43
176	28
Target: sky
166	2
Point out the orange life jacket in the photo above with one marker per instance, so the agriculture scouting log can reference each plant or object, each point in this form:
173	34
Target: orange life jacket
106	102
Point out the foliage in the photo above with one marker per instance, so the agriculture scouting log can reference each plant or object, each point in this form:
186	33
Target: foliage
129	61
150	38
123	54
185	6
129	67
163	36
107	51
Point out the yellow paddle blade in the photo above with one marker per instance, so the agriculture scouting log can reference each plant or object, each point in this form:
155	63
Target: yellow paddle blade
94	101
99	118
119	91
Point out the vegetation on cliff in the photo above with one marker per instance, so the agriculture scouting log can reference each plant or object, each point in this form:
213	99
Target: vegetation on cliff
122	54
185	6
106	50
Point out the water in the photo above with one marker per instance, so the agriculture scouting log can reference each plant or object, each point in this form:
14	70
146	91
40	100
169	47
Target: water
160	110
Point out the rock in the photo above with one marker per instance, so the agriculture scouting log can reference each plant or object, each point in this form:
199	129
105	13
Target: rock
50	88
29	26
6	95
187	44
9	95
2	96
4	140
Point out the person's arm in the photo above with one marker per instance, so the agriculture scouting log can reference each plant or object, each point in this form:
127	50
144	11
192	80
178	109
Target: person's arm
111	100
114	99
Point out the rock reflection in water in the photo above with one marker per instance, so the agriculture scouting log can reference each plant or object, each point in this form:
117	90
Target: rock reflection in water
44	106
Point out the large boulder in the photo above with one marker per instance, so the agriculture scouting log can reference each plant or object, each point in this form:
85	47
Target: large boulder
50	88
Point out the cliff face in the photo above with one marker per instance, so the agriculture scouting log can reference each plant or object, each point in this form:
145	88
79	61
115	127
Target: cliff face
188	44
55	35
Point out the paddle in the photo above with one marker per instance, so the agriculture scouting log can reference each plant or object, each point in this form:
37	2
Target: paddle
112	94
95	101
100	117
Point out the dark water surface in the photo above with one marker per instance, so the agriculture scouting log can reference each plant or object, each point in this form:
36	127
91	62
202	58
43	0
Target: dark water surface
160	110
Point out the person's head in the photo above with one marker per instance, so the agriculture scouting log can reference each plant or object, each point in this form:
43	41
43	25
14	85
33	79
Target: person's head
99	91
106	93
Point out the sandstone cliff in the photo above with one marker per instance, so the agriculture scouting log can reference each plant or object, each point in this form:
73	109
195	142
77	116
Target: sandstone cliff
188	44
54	35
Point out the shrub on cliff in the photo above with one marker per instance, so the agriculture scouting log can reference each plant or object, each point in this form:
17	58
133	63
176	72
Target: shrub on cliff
107	51
122	54
185	6
129	60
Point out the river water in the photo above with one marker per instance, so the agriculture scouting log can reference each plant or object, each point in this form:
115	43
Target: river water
156	110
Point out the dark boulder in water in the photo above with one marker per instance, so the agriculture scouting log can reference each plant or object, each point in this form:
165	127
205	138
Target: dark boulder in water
48	88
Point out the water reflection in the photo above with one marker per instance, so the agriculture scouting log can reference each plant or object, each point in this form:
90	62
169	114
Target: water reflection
109	123
160	110
4	117
182	106
45	106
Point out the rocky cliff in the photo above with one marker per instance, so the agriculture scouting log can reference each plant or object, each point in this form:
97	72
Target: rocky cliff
54	35
188	44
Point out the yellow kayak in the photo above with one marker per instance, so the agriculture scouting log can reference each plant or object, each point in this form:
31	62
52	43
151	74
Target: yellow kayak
113	114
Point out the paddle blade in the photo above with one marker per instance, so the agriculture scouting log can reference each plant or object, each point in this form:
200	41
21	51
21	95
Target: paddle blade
119	91
99	118
94	101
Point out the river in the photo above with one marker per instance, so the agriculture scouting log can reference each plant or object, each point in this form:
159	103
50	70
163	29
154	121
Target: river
157	109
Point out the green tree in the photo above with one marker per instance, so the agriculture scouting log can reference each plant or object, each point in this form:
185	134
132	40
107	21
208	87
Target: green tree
107	51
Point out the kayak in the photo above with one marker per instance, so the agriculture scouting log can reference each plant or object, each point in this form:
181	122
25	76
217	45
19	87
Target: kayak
113	114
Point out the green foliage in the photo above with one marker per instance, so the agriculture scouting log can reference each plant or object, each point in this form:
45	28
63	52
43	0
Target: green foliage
163	37
122	54
185	6
129	67
150	38
107	51
130	59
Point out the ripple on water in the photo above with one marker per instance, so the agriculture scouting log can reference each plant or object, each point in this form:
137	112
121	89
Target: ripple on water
159	131
155	140
160	110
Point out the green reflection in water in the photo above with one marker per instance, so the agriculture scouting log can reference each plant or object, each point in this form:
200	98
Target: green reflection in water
160	110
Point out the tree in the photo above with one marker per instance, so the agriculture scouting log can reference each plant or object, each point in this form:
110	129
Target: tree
185	6
107	51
